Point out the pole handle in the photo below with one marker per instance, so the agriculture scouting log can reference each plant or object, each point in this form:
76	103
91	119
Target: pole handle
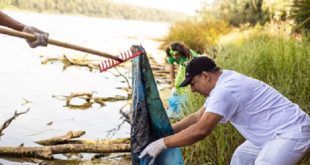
58	43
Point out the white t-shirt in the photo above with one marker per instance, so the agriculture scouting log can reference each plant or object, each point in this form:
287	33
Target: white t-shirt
254	108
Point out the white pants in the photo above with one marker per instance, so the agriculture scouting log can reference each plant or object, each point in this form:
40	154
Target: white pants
284	149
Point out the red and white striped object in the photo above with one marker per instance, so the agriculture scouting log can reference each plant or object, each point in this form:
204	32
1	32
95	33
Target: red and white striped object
109	63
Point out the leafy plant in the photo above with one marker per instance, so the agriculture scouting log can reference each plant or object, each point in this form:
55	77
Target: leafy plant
301	14
196	34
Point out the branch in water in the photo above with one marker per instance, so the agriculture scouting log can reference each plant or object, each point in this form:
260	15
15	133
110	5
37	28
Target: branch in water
8	122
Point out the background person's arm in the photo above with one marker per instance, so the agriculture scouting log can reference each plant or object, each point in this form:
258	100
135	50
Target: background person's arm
41	36
172	74
9	22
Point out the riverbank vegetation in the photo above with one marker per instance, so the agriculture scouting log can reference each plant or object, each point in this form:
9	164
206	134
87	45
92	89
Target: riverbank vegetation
280	61
268	40
98	8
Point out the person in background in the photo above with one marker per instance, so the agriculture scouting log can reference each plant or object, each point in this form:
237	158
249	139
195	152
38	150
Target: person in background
277	131
179	54
41	37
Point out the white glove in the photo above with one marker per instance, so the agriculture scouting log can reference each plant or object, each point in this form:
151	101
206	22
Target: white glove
153	149
41	37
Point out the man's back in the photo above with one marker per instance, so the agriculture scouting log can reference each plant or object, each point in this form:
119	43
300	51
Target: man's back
257	110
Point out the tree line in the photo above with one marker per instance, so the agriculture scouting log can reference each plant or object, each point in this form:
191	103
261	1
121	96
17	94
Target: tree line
98	8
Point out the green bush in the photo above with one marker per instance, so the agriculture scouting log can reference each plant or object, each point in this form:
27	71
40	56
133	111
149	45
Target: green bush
197	34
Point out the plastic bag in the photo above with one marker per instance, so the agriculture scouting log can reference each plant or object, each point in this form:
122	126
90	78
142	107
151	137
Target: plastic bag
174	105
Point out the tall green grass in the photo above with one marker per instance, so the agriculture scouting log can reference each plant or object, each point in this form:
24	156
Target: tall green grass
279	61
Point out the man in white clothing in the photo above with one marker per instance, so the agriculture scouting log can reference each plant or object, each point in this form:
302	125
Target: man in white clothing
276	130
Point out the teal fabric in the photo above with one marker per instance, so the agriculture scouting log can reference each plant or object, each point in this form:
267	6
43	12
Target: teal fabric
150	121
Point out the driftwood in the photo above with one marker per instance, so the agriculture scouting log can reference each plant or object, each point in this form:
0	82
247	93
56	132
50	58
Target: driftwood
79	62
63	144
48	151
160	72
119	158
72	62
103	142
61	139
92	142
89	100
67	139
8	122
85	96
102	100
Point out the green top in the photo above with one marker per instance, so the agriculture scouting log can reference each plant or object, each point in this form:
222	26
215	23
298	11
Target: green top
181	71
182	60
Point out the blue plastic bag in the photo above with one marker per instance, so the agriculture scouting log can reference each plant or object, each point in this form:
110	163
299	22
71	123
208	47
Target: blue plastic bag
175	105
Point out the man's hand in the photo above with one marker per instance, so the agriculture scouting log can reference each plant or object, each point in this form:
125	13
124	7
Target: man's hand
153	149
41	37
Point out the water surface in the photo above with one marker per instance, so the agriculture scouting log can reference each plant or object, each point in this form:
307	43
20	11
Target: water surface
22	76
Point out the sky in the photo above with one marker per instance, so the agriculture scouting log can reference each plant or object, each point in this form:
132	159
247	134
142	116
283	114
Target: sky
185	6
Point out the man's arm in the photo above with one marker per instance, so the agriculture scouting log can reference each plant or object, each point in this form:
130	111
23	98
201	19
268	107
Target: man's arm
188	121
9	22
195	132
190	135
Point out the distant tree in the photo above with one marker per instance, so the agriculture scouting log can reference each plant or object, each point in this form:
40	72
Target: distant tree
236	12
98	8
257	5
301	14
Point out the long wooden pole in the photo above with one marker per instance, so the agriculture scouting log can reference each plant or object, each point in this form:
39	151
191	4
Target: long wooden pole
58	43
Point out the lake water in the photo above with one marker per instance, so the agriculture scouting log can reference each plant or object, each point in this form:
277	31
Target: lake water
22	76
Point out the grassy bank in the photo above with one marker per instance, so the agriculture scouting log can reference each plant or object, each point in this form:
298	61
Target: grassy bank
277	60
